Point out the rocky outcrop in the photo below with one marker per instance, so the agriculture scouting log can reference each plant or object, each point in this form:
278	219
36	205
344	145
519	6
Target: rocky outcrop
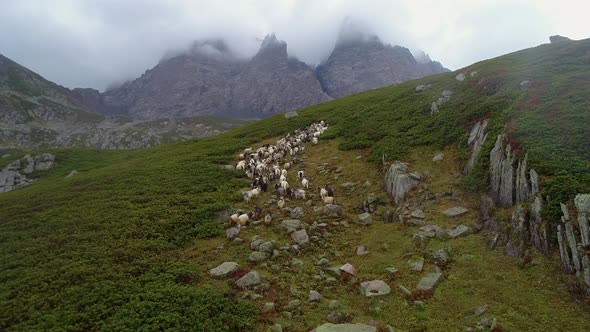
476	140
558	39
399	181
13	175
444	97
574	243
364	63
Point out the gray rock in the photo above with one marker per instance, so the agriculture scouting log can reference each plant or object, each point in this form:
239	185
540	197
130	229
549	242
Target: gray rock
249	280
365	218
391	270
457	231
268	307
276	328
480	310
438	157
501	173
332	209
256	241
291	114
374	288
525	84
72	173
329	327
297	213
296	264
291	225
300	237
422	87
405	291
333	305
455	211
258	256
266	247
442	256
432	231
294	291
398	181
314	296
419	214
323	262
416	264
416	222
558	39
476	140
361	250
429	282
224	270
460	77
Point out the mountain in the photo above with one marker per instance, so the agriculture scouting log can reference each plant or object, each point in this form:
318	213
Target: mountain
365	63
210	80
491	150
36	112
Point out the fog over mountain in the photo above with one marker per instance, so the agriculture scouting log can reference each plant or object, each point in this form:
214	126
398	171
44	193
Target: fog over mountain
89	43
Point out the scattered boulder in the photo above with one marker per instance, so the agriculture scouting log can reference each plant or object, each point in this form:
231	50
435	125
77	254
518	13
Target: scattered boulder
423	87
525	84
457	231
445	96
374	288
480	310
276	328
297	213
268	307
332	209
455	211
442	256
398	182
348	268
249	280
258	256
429	282
291	225
329	327
291	114
314	296
460	77
438	157
300	237
361	250
416	264
365	218
224	270
419	214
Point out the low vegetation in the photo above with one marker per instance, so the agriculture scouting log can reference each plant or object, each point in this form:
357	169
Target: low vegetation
105	249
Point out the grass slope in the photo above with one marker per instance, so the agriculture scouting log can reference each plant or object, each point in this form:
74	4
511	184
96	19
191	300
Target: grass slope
104	249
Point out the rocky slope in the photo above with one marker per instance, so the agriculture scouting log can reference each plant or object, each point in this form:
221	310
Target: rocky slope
210	79
36	112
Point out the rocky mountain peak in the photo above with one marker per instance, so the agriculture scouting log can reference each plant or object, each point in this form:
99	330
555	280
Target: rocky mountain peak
271	49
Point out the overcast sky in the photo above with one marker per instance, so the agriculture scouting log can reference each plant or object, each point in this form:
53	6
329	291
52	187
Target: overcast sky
94	43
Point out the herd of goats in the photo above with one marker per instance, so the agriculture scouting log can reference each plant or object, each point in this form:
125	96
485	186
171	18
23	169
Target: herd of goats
263	167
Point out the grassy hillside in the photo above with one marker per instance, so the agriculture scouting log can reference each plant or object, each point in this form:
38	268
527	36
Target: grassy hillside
105	249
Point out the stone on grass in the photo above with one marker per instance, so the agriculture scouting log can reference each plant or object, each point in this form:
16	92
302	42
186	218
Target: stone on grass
249	280
323	262
291	224
293	305
300	237
416	264
296	264
332	208
314	296
258	256
297	213
361	250
438	157
365	218
276	328
442	256
480	310
329	327
458	231
268	307
291	114
333	305
416	222
391	270
419	214
224	270
348	268
429	282
460	77
455	211
374	288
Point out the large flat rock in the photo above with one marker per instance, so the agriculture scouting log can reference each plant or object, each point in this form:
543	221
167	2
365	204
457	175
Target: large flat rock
329	327
429	282
455	211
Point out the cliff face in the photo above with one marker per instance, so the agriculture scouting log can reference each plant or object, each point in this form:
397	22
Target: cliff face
360	65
